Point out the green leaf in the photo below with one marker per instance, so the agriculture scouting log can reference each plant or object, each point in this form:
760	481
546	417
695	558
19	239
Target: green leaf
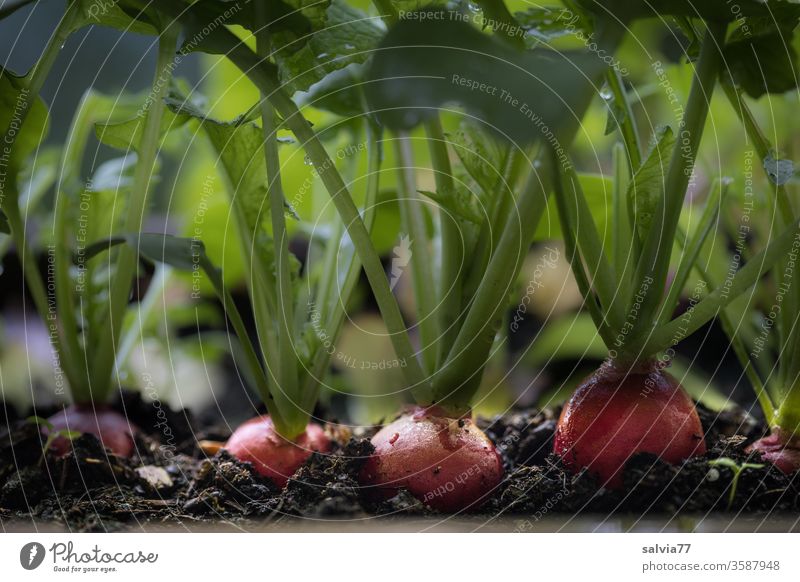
126	135
481	157
597	189
761	57
5	227
14	101
348	38
240	150
525	96
412	5
715	10
69	434
182	253
113	175
647	186
544	24
39	421
204	19
117	14
313	10
616	116
185	254
338	93
460	203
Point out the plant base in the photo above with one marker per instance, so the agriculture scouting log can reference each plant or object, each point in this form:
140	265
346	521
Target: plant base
779	449
109	426
257	442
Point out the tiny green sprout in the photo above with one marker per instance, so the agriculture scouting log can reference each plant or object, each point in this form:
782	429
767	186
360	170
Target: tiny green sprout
51	434
737	470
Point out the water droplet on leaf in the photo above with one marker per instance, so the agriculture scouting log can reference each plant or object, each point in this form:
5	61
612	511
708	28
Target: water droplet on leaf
779	171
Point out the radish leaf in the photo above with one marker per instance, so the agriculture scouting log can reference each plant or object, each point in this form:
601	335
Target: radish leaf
527	96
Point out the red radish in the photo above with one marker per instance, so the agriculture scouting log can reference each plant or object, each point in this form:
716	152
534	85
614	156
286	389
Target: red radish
273	456
780	449
616	413
447	463
109	426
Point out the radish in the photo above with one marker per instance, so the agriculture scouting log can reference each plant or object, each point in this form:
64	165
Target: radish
111	428
461	292
780	449
630	404
447	463
772	367
272	455
616	413
85	318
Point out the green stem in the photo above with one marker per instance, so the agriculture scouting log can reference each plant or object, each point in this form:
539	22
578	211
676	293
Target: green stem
333	324
251	357
671	333
454	382
145	313
264	77
569	228
103	357
37	289
622	235
788	331
691	251
412	216
787	417
459	376
628	128
329	276
35	79
89	111
736	343
657	249
286	374
590	247
452	254
499	201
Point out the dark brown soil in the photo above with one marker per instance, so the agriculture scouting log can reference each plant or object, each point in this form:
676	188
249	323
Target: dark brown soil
172	481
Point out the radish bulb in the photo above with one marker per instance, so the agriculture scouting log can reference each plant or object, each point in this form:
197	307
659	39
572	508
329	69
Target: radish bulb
273	456
618	412
779	448
110	427
447	463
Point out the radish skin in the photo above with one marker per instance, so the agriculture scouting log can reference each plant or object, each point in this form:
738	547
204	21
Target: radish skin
110	427
273	456
449	464
780	449
616	413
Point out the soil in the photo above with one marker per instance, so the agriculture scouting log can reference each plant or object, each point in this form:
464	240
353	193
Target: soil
171	480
